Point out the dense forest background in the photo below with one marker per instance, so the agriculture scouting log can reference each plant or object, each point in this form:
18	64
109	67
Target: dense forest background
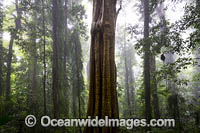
50	50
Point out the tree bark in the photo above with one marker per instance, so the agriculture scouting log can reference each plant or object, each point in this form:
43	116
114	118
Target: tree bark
147	85
44	58
34	66
103	95
66	84
58	46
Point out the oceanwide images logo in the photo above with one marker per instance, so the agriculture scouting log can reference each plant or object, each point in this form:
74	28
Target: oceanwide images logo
46	121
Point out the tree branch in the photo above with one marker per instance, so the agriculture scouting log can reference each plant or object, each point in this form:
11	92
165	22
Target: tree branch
120	7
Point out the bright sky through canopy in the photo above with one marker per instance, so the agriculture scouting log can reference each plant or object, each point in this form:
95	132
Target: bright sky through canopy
173	13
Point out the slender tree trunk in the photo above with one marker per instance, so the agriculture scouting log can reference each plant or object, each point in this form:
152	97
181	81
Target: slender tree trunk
66	84
1	47
34	84
44	58
9	61
126	73
103	95
33	62
155	100
147	63
79	108
34	69
127	79
10	52
79	104
77	77
74	100
127	87
56	84
132	88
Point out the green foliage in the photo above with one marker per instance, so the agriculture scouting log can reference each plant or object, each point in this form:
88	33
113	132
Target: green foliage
77	16
191	20
165	38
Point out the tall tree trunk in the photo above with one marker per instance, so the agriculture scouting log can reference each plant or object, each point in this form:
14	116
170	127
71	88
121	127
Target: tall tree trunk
9	61
34	67
74	100
127	86
155	100
58	46
127	78
34	109
126	73
66	84
44	59
77	77
34	61
103	95
147	85
10	52
1	47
